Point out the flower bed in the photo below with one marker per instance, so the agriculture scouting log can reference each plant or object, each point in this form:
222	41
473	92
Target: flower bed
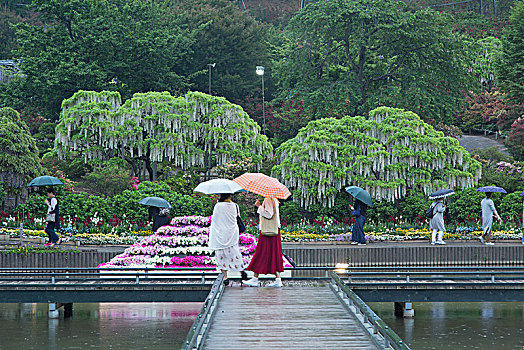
181	244
398	234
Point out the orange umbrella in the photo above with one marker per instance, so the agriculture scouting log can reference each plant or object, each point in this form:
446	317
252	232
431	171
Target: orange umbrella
263	185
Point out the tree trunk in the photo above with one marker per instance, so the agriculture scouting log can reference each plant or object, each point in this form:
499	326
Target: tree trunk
155	171
149	169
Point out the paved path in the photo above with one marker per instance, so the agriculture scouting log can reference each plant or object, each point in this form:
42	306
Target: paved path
284	318
471	142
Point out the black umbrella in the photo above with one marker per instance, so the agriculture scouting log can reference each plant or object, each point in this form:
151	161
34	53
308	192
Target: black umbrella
441	194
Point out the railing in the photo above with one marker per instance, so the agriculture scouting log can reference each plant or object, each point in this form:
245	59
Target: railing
132	275
197	333
379	331
430	275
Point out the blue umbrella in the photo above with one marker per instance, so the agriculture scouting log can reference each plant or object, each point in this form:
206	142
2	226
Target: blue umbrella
360	194
155	202
441	194
522	193
491	189
45	181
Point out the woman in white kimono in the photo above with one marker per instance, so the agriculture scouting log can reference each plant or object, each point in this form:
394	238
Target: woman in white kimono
223	236
488	210
437	222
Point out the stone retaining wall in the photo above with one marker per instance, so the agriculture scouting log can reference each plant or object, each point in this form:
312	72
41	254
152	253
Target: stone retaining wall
82	259
498	255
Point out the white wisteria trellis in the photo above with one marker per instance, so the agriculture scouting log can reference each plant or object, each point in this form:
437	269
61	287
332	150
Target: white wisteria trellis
387	153
192	130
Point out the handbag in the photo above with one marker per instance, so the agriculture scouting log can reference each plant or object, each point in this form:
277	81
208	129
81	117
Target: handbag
50	217
240	223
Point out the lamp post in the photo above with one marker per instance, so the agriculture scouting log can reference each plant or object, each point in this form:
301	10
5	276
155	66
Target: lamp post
260	71
209	65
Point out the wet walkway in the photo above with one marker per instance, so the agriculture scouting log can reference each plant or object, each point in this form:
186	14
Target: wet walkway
284	318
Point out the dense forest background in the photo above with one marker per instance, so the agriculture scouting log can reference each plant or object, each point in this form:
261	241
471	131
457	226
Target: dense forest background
460	67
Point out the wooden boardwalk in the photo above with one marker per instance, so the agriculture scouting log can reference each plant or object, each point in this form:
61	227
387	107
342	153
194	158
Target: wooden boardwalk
284	318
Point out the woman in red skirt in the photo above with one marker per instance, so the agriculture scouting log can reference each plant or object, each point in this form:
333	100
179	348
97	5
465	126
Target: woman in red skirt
268	254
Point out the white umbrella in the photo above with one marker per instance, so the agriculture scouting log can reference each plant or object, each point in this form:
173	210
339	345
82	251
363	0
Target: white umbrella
217	186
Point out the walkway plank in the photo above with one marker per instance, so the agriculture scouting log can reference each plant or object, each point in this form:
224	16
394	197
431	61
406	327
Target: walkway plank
284	318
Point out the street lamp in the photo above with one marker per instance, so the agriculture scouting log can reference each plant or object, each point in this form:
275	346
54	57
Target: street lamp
260	71
209	65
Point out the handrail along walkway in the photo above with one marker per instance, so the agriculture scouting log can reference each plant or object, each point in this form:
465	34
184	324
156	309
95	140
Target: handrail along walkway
197	333
379	331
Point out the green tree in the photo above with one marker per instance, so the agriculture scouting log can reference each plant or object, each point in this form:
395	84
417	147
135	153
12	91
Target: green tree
192	130
7	33
124	45
19	161
511	69
109	178
228	37
387	154
346	57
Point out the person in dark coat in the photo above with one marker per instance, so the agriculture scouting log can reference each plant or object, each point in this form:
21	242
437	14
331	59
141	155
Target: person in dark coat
152	211
359	212
51	226
160	219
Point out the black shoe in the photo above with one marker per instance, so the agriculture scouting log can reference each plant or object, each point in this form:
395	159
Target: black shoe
243	275
226	282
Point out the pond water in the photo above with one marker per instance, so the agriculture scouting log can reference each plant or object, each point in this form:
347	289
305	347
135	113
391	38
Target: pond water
497	326
486	326
97	326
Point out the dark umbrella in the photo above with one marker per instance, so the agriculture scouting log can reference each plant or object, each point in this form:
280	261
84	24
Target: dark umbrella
491	189
441	194
360	194
45	181
156	202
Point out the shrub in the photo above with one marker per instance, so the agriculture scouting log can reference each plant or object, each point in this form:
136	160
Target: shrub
510	208
464	206
126	203
109	179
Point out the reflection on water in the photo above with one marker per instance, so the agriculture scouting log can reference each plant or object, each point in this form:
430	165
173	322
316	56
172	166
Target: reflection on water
497	326
97	326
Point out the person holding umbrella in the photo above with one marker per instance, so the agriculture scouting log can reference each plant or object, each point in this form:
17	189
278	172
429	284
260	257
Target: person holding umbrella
158	211
436	215
53	214
436	223
268	254
268	257
224	231
359	211
224	236
488	210
52	218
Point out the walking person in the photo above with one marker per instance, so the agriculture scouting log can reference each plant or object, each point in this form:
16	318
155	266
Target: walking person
437	221
268	254
224	236
52	218
359	212
488	210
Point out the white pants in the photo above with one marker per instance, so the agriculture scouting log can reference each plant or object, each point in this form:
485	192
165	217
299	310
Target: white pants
434	235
